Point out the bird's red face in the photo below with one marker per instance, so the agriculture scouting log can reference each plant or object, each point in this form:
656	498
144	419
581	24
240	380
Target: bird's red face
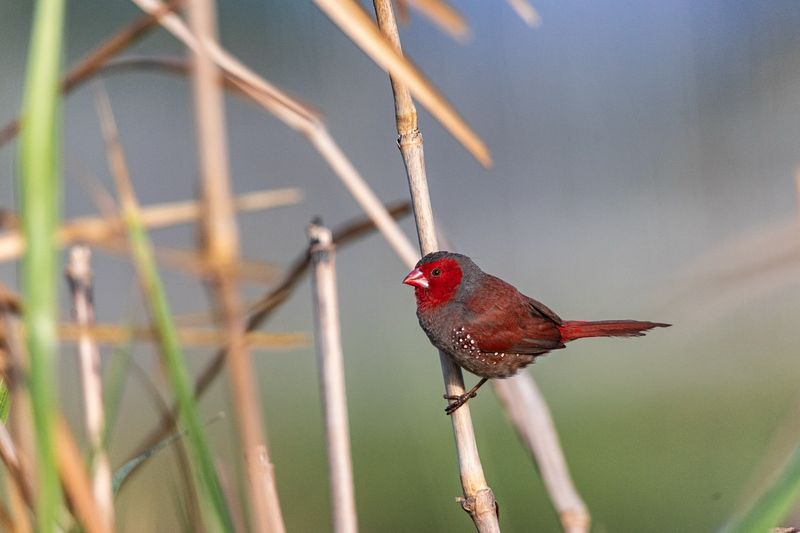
435	283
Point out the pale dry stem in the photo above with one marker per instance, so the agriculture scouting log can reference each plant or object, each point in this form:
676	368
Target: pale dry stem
79	276
331	377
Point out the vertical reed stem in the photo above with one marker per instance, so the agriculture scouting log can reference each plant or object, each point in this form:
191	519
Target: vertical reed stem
221	241
478	500
331	375
79	276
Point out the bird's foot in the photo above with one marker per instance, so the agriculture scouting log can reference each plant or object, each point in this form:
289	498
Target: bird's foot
457	401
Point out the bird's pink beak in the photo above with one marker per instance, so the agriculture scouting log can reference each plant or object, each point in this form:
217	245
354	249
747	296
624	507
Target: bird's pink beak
416	278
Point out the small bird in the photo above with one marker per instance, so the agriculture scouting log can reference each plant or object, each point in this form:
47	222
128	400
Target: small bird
487	326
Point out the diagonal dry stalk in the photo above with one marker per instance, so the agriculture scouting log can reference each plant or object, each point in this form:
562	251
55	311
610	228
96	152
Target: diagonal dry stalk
479	500
528	413
526	12
331	377
445	16
221	242
79	276
358	25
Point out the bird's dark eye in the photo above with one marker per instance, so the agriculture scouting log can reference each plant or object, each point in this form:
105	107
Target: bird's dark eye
436	271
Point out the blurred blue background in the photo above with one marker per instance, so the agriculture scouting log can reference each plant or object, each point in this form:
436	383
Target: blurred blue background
631	140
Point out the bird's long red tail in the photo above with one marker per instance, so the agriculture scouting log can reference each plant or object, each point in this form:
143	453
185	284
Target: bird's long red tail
578	329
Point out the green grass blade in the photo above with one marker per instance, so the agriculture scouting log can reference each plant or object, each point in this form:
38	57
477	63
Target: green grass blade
122	473
115	376
774	504
5	401
40	196
171	351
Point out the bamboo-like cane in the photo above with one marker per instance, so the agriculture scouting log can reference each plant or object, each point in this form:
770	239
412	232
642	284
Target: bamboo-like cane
479	500
221	243
331	376
79	276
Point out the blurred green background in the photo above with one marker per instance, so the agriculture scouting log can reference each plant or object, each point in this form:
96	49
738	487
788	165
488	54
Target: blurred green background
630	139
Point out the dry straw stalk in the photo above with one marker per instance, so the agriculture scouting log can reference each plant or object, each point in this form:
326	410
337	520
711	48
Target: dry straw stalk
528	412
331	376
79	276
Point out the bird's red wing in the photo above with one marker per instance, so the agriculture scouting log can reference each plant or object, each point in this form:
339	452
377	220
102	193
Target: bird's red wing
501	319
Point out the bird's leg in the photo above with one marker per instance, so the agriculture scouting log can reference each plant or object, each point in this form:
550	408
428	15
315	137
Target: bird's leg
458	401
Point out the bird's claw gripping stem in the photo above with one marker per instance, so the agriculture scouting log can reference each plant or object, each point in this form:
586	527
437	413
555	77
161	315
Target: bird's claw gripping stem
458	401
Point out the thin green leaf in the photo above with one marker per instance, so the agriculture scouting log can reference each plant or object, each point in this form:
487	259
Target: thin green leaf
171	352
122	473
774	504
5	401
39	199
158	306
115	377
